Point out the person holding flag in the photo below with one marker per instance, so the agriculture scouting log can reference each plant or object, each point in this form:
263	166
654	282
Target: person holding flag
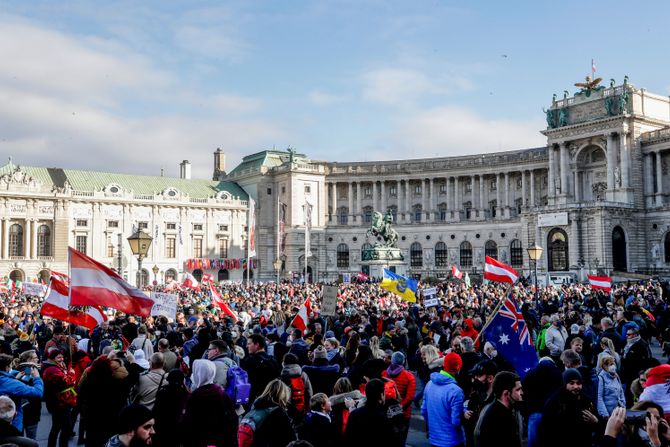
405	288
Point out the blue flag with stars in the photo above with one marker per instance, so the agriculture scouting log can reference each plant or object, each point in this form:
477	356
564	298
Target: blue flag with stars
509	333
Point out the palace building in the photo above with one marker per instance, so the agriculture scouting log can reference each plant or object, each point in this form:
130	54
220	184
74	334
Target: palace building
594	198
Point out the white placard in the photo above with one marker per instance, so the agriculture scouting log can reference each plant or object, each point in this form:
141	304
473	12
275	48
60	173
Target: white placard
427	293
164	304
329	301
346	278
431	302
552	219
33	288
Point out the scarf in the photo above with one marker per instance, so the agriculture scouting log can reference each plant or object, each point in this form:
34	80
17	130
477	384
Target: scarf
629	344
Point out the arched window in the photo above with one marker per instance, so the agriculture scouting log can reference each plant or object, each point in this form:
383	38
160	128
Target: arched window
367	214
417	211
415	255
16	240
197	274
43	241
342	256
491	249
516	253
343	215
467	206
619	255
442	210
365	250
557	242
394	212
441	255
466	254
170	274
223	275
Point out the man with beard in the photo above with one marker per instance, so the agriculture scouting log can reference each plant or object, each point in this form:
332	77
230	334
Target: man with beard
481	395
136	427
499	422
569	418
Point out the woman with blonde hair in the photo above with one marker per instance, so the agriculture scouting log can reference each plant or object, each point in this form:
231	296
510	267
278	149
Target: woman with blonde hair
608	349
430	362
610	390
267	421
377	353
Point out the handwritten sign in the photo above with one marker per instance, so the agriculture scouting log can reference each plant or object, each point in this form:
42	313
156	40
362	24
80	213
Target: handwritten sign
431	302
33	288
329	301
431	292
165	304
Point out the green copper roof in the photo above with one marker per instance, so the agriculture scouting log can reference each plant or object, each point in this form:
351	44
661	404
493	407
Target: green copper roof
267	159
139	184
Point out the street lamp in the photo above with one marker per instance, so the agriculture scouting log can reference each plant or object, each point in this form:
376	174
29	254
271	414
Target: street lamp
139	245
155	269
535	253
277	266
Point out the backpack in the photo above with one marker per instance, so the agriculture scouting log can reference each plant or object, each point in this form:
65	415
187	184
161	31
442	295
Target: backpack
250	424
298	393
237	385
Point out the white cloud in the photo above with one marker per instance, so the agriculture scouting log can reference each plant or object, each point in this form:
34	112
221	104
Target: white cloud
210	42
398	86
319	98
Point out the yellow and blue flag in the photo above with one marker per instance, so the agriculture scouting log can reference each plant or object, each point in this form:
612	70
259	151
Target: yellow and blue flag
405	288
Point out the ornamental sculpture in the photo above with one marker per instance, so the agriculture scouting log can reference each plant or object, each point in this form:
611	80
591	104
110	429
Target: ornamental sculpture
381	229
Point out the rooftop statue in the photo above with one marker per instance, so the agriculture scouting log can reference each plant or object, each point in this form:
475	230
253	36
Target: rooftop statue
589	86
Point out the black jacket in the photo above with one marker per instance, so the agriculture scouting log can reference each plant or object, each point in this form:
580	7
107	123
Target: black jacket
497	426
368	426
539	384
318	430
261	369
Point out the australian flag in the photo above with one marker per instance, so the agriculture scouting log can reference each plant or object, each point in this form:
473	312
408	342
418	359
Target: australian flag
509	333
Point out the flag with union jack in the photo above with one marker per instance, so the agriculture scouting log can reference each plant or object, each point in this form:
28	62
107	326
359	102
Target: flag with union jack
508	332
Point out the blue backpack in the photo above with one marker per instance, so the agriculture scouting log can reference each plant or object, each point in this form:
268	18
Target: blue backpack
237	385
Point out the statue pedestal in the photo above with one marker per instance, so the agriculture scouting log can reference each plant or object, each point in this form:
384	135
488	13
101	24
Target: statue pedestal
379	258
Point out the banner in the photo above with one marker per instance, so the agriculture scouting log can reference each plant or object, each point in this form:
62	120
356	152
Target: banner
34	289
329	301
165	304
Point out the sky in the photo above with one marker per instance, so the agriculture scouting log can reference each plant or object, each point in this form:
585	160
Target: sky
128	86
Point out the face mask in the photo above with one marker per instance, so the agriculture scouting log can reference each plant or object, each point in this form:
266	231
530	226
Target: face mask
611	369
494	353
478	385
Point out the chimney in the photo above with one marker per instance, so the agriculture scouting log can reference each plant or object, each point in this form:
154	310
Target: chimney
185	170
219	164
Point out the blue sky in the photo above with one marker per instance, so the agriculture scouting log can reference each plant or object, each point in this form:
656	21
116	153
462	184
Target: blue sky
135	86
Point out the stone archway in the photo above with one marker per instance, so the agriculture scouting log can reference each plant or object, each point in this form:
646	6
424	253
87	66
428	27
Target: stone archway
17	275
557	256
591	178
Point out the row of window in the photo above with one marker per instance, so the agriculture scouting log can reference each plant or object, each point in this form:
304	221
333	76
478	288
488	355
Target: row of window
442	254
16	240
83	223
170	249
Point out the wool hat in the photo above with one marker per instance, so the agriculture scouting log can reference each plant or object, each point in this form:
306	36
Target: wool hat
452	363
398	358
330	334
132	417
571	374
486	367
53	353
320	353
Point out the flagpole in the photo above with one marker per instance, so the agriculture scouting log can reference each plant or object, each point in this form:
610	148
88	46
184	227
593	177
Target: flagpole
69	300
248	238
495	311
278	236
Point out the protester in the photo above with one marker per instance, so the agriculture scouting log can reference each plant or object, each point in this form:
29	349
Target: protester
169	409
369	425
499	423
267	424
9	434
318	428
135	427
60	397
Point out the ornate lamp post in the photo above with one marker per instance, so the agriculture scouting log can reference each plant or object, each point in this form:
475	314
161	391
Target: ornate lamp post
277	266
155	269
139	245
535	253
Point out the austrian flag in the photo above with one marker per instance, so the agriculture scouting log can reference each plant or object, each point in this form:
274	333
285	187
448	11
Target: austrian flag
456	273
497	271
300	321
601	282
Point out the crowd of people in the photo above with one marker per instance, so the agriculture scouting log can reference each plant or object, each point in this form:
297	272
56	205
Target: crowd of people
357	378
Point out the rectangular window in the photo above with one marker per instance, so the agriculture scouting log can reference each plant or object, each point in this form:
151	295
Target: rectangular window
142	225
223	248
223	227
367	192
110	248
468	187
80	244
283	189
82	223
113	224
170	226
494	185
417	189
170	244
197	227
393	191
308	189
269	191
197	248
443	188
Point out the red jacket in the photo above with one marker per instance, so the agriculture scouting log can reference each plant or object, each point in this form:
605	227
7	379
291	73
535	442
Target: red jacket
406	384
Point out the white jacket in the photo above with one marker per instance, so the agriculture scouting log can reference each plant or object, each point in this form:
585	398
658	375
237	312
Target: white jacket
555	340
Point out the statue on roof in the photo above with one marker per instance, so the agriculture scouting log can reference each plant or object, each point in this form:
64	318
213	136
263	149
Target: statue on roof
291	154
589	86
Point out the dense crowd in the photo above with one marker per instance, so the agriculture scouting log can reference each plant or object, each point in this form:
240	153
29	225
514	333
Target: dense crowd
356	378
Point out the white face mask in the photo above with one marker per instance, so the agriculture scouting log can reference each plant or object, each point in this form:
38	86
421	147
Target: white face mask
611	369
494	353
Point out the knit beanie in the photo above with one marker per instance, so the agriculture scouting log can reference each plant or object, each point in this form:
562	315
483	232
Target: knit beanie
452	363
320	353
132	417
398	358
571	374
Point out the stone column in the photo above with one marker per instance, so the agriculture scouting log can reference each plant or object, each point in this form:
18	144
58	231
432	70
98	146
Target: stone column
350	200
34	242
335	201
374	196
499	207
383	197
575	252
532	188
27	238
623	147
564	169
431	216
578	187
397	199
407	193
482	201
551	190
507	206
648	175
6	223
659	179
473	196
611	160
359	211
447	180
457	206
524	202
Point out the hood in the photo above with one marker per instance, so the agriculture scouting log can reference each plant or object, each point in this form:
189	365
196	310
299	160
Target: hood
118	371
437	363
291	370
440	379
339	398
394	370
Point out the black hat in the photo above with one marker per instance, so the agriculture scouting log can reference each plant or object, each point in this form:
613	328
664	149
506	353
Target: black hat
132	417
571	374
487	367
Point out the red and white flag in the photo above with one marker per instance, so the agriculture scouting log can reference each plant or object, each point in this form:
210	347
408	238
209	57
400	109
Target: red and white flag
60	277
497	271
56	306
172	285
190	282
362	276
207	278
456	273
216	297
94	284
601	282
304	314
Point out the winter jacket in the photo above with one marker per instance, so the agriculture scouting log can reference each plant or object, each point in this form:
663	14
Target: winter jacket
143	343
610	394
322	376
114	441
276	429
209	418
57	382
539	384
498	425
223	363
262	369
147	387
555	340
563	421
290	372
442	410
318	430
17	390
368	426
406	384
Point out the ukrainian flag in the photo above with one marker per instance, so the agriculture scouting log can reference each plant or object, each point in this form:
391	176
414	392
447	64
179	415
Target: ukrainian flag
405	288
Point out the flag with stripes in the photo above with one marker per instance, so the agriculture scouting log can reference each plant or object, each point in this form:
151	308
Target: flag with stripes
601	282
497	271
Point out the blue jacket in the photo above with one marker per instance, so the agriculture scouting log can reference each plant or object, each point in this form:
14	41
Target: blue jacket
443	411
610	394
16	389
